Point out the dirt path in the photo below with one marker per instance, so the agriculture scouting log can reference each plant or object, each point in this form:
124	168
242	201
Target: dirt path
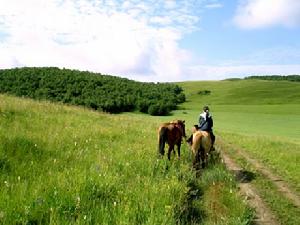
281	185
263	214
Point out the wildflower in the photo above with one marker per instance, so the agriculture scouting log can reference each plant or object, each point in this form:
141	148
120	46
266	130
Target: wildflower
19	178
75	143
115	204
84	217
1	214
6	183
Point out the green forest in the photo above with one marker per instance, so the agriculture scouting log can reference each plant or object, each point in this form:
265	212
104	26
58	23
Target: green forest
93	90
276	77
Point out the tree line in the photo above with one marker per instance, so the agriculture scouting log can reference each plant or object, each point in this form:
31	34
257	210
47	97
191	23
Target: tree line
94	90
295	78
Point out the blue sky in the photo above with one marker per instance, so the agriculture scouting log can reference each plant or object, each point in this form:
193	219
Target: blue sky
154	40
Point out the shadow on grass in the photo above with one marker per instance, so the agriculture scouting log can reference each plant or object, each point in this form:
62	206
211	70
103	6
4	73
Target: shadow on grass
244	176
188	212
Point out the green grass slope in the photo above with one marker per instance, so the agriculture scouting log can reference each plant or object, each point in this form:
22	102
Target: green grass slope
248	106
268	124
261	118
243	92
68	165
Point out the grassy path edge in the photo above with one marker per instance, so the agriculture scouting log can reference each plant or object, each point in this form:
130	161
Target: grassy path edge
278	182
264	216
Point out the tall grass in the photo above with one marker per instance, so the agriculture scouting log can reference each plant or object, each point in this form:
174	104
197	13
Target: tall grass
261	118
278	155
69	165
282	207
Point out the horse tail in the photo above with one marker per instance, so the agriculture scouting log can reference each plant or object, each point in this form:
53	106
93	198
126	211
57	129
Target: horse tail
162	138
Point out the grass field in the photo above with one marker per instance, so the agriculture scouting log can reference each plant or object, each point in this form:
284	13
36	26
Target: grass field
263	119
69	165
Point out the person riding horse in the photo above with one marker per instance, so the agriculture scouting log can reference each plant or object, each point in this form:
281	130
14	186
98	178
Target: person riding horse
205	124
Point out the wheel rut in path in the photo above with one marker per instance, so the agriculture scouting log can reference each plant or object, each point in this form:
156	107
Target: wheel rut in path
281	185
263	215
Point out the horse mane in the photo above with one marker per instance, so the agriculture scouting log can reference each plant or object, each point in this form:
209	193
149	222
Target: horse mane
177	121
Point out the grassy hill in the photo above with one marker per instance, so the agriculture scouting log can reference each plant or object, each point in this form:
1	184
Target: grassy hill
247	106
262	118
93	90
69	165
243	92
62	164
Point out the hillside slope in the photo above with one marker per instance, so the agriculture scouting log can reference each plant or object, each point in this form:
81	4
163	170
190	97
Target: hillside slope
94	90
69	165
246	106
243	92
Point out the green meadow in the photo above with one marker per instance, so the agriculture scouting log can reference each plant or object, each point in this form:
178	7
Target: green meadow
261	118
68	165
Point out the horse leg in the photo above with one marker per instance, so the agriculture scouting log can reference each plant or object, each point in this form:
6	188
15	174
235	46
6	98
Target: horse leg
196	160
178	150
171	148
203	158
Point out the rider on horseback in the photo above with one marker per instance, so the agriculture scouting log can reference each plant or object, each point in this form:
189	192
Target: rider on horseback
205	124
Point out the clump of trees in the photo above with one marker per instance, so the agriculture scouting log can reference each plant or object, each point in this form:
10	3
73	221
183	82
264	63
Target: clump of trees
295	78
101	92
204	92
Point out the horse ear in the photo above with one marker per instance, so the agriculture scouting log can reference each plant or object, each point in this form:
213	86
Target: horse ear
183	121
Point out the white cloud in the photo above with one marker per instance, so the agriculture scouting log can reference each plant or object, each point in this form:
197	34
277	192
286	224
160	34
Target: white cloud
134	39
126	38
252	14
206	72
214	5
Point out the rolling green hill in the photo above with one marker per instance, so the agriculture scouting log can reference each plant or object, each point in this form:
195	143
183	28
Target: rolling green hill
243	92
246	106
261	118
69	165
93	90
64	164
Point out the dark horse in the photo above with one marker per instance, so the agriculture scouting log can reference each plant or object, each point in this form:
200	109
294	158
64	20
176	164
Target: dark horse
171	133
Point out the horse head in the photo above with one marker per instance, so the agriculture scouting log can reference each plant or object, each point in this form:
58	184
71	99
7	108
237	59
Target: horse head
181	125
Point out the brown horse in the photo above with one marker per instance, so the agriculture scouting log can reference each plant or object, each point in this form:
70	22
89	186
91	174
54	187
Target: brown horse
171	133
201	146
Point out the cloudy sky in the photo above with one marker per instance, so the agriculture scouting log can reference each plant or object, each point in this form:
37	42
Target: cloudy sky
153	40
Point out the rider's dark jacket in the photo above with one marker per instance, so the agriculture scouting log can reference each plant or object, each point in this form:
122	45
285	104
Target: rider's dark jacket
205	122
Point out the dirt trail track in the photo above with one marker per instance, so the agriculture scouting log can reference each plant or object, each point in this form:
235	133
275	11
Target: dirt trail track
263	213
281	185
